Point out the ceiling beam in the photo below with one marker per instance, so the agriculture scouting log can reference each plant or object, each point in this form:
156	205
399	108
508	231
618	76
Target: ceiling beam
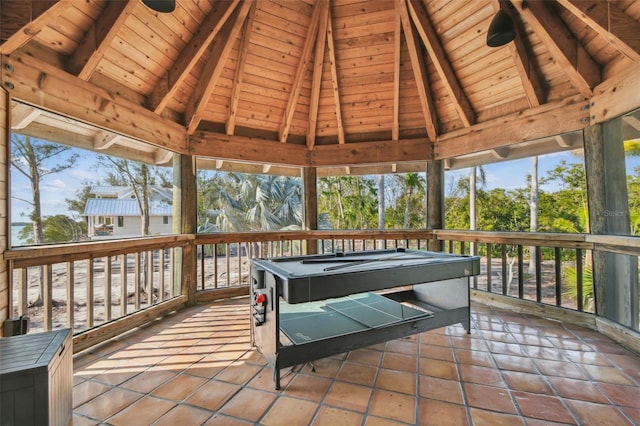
298	80
316	82
98	39
527	68
237	79
535	123
419	70
43	14
381	152
612	24
220	50
45	86
206	32
583	72
242	148
441	62
397	41
334	80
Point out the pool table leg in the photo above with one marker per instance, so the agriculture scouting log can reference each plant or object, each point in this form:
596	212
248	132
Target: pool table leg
276	377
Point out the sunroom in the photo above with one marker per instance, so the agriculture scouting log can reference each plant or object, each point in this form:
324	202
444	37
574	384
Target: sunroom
315	90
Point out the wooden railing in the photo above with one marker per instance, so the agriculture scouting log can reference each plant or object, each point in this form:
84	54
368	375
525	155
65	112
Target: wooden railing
82	285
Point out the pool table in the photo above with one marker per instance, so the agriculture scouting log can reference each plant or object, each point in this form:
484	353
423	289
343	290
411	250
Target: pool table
309	307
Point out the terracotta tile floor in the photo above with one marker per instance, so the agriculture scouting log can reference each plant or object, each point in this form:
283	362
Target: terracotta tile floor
197	367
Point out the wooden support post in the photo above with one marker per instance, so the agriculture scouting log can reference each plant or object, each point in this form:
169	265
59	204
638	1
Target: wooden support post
615	276
185	222
435	201
310	196
6	303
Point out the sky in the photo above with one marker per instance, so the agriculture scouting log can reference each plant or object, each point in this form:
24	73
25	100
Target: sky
55	188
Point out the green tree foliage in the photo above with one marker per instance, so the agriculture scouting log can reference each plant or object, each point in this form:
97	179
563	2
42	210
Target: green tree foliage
57	229
243	202
350	202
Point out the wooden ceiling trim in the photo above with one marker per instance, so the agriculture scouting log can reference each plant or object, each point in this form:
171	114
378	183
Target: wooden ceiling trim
37	23
85	59
220	50
22	115
441	63
73	138
583	72
316	82
191	54
242	148
419	71
614	26
397	44
105	139
305	58
334	81
162	157
43	85
239	74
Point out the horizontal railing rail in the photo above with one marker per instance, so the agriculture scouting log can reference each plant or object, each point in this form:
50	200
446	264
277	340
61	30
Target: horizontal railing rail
81	285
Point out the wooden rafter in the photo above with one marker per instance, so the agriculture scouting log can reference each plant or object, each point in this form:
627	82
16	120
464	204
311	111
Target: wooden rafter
305	58
98	39
525	65
419	70
316	83
237	79
191	54
441	62
40	20
220	50
397	40
334	80
614	26
583	72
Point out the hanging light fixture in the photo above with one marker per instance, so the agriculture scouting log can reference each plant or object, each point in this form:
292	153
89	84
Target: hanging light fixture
502	29
162	6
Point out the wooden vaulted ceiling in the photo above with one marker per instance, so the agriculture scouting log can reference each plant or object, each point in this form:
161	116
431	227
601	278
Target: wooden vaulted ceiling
322	83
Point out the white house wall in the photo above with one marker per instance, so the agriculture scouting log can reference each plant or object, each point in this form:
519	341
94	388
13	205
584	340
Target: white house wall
133	227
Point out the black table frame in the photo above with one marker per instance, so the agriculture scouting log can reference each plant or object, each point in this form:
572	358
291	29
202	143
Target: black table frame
439	287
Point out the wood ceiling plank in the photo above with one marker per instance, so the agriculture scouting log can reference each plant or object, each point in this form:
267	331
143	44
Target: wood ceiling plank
613	25
99	38
39	20
220	50
441	62
179	71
